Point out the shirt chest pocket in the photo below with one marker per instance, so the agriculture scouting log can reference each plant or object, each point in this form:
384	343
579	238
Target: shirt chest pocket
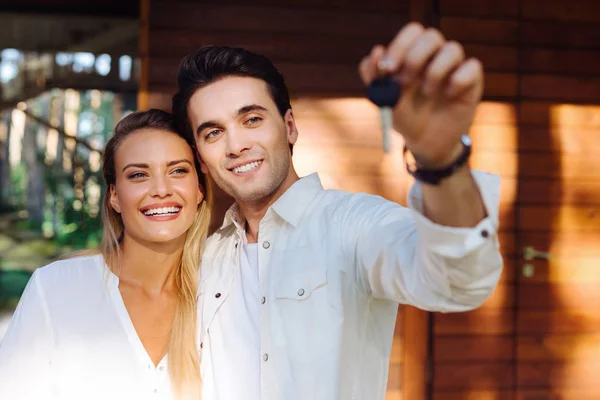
301	286
305	322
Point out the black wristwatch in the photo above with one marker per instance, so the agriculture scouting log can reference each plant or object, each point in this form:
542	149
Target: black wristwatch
435	176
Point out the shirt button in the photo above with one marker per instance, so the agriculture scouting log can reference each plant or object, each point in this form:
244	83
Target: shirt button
485	233
263	300
301	292
266	245
201	344
155	391
218	295
161	368
265	356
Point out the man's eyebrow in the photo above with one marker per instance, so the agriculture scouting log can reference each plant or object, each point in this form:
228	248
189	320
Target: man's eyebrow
250	108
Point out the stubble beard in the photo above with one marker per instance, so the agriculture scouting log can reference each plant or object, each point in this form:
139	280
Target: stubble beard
257	191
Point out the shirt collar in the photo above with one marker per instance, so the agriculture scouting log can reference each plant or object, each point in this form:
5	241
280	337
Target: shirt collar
290	206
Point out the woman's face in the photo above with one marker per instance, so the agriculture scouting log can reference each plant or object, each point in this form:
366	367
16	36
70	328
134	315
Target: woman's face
156	190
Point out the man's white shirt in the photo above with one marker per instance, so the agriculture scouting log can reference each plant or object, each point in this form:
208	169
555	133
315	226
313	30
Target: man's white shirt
332	268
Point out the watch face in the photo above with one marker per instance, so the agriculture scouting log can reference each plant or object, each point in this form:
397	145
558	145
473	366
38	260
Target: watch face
466	140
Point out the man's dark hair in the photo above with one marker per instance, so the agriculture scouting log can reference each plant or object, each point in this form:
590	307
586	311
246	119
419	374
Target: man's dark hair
212	63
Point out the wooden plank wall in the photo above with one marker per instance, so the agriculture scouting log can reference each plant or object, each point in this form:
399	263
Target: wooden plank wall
536	337
317	46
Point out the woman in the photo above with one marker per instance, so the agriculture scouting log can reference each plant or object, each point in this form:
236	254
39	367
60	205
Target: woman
120	322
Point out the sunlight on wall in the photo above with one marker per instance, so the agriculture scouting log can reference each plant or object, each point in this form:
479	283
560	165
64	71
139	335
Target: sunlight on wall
575	115
341	139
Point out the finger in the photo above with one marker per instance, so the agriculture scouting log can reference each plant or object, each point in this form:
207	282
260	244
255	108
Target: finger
467	78
445	62
422	51
398	48
368	67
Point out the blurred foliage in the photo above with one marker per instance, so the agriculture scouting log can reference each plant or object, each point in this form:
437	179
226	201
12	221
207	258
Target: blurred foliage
70	190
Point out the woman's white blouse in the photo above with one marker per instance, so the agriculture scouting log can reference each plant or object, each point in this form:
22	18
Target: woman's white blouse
71	338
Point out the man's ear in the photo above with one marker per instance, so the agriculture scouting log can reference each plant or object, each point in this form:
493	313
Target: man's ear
114	200
203	166
290	124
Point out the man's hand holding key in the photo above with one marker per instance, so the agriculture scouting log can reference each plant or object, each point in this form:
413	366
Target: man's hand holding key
440	91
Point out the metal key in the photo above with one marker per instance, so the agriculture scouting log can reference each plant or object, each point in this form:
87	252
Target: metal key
385	92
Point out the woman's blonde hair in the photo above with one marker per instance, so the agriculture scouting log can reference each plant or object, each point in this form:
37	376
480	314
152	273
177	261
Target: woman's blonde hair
184	360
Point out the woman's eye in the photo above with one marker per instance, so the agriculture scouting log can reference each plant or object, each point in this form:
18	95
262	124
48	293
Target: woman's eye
181	171
136	175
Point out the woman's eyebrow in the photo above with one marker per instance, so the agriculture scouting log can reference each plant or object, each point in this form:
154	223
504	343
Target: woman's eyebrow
171	163
135	166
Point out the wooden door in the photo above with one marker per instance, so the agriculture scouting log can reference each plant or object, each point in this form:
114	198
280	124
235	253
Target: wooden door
558	313
538	336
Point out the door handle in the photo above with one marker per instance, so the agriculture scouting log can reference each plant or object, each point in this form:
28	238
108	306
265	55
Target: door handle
530	253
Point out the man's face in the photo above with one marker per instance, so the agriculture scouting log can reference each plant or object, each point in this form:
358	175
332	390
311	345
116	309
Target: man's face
242	139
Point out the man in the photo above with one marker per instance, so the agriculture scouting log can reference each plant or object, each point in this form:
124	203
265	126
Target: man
301	285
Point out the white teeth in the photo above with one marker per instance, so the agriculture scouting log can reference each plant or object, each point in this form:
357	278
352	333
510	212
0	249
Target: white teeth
162	211
246	167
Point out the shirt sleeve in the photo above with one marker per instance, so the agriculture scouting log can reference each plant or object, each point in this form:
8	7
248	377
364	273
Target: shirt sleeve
401	255
26	348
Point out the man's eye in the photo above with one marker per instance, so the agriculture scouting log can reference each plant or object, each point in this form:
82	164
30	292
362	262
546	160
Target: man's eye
254	120
212	134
